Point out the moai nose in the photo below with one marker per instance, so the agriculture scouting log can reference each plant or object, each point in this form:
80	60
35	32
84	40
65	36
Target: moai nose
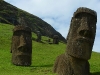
84	29
84	24
22	42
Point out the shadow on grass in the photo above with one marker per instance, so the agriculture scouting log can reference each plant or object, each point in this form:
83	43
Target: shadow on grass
49	65
95	73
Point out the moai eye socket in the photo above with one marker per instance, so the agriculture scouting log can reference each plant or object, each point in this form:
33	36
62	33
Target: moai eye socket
85	33
16	33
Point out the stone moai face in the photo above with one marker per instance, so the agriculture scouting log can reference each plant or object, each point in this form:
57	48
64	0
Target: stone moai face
82	33
56	39
21	46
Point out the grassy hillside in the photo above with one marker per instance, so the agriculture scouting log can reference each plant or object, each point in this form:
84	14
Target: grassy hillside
10	14
43	56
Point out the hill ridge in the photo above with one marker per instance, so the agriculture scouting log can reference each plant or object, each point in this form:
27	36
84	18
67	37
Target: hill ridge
10	14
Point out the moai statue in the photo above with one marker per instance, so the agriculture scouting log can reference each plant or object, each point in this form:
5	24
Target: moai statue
55	39
38	36
79	44
21	47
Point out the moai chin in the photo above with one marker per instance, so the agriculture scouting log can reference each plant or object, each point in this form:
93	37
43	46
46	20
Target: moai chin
21	47
80	41
55	39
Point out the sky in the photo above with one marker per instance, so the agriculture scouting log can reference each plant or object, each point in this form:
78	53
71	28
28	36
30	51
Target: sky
58	13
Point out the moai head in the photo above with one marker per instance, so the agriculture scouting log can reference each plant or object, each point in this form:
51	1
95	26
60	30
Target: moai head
82	33
38	36
56	39
21	46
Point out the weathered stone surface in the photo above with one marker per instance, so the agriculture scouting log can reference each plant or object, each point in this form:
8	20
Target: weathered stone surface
68	65
21	47
80	41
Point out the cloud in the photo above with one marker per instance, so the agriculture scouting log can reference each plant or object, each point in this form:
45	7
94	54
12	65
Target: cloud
58	13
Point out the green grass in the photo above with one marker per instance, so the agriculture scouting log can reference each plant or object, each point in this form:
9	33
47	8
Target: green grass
43	56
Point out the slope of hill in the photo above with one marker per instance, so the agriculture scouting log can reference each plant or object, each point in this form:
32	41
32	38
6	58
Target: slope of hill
12	15
43	56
